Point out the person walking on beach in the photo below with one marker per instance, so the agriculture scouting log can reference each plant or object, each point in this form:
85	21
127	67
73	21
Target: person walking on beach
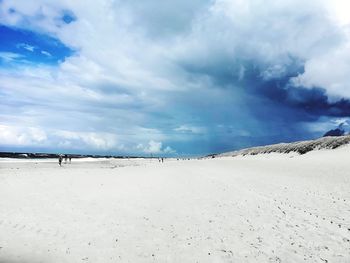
70	159
60	160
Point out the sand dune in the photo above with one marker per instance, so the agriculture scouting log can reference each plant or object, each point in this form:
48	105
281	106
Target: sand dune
300	147
264	208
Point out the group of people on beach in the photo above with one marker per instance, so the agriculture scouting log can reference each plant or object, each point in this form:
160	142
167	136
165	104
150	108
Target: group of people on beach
66	157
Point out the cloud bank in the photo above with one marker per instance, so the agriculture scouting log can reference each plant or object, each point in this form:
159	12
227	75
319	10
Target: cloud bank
160	77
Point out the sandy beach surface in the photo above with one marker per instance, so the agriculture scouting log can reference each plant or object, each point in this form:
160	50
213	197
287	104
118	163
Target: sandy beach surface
266	208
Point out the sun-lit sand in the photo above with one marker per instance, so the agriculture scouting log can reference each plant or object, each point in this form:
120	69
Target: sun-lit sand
265	208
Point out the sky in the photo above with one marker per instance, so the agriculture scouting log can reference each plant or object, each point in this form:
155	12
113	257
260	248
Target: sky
171	78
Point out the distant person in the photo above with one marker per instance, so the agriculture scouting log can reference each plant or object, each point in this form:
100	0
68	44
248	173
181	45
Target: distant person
162	160
70	159
65	158
60	160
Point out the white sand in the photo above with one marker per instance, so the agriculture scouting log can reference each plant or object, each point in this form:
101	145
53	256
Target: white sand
268	208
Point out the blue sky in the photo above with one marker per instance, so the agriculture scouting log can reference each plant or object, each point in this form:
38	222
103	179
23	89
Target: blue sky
22	46
171	78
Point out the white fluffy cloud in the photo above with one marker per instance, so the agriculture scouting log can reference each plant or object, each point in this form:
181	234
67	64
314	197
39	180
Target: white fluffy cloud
69	140
26	47
154	147
330	68
103	141
330	71
9	56
21	135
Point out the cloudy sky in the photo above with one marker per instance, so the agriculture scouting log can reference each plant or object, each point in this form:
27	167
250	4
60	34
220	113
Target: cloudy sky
169	77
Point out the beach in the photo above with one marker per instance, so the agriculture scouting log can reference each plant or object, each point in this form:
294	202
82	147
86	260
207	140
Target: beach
263	208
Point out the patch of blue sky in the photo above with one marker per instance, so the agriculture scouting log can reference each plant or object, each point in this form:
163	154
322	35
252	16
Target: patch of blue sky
18	46
68	16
